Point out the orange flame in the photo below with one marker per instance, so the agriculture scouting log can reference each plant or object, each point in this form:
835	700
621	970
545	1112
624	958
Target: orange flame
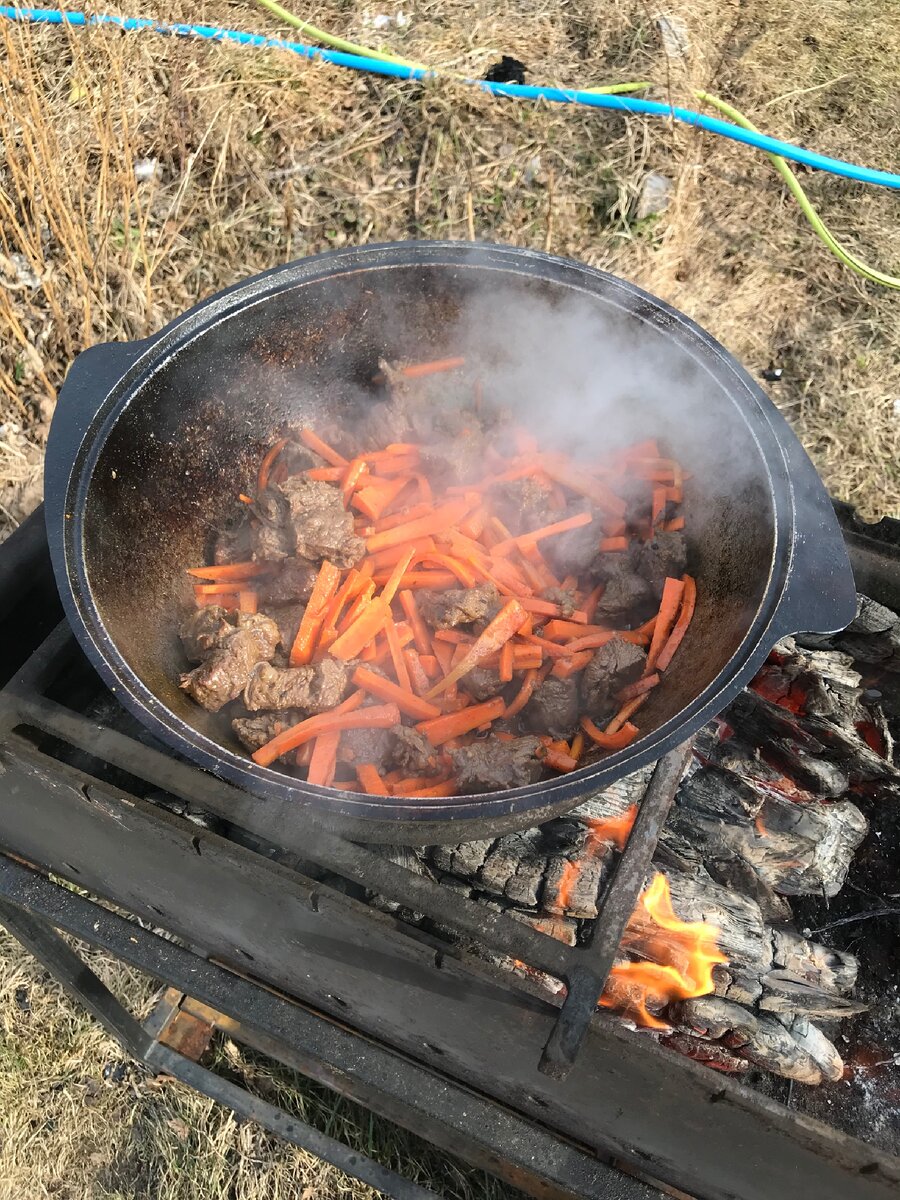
600	831
683	953
760	825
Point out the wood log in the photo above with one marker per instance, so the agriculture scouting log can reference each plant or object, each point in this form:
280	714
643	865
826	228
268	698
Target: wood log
811	1039
773	1048
820	966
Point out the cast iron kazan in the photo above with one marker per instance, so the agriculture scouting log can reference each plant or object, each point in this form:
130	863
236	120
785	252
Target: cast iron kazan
152	441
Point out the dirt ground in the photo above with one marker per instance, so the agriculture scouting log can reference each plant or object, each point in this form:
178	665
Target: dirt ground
139	174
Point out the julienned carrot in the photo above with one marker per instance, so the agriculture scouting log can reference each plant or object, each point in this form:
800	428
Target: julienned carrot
613	543
326	474
546	531
580	481
462	572
203	591
323	762
546	647
673	589
546	608
560	760
393	582
674	525
324	588
378	716
396	650
265	467
658	506
355	471
374	496
564	667
430	665
384	689
416	672
232	572
370	781
639	686
411	612
248	601
435	367
313	442
566	630
688	603
577	747
625	713
364	629
610	741
592	600
379	651
401	518
504	626
523	695
222	598
447	787
393	554
430	580
436	521
593	641
452	725
506	663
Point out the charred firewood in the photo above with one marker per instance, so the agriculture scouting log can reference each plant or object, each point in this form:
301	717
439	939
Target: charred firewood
773	1048
831	970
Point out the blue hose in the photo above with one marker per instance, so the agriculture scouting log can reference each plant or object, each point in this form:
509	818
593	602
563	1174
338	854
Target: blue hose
623	104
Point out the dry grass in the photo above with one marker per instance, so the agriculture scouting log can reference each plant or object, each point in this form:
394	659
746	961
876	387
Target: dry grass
261	158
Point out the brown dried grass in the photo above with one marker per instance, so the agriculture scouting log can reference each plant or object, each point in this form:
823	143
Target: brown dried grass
263	158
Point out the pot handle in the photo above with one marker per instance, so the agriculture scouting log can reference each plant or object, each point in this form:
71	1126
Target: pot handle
90	379
820	594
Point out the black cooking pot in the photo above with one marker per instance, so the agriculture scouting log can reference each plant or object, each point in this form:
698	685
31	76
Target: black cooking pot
152	441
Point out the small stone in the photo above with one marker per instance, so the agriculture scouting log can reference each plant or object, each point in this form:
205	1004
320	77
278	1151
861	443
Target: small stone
674	36
655	194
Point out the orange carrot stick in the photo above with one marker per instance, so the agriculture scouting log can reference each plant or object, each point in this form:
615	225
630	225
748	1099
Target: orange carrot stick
430	665
393	554
222	598
452	725
313	442
565	667
359	605
411	612
247	601
523	695
506	663
592	600
364	630
265	467
432	580
610	741
355	470
566	630
374	496
396	651
370	781
688	603
416	672
625	713
504	626
658	505
323	762
323	590
438	520
448	787
558	759
326	474
580	481
613	543
674	525
537	535
378	716
594	641
673	589
462	572
401	518
438	365
639	687
231	572
384	689
401	567
546	608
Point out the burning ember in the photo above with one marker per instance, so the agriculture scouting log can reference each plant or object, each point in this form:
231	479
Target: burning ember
683	955
601	831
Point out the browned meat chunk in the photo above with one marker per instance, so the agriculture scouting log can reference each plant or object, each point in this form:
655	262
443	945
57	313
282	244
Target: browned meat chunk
554	707
458	606
613	667
315	688
490	765
665	555
203	632
292	583
253	732
235	542
360	746
565	600
523	505
411	751
321	526
224	674
626	597
576	552
482	683
288	617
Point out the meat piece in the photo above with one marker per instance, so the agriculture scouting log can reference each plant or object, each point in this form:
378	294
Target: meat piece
253	732
523	505
638	496
458	606
490	765
234	543
315	688
288	617
565	600
627	597
292	583
456	461
576	551
482	683
322	527
359	746
554	708
203	632
411	751
613	667
228	666
271	542
665	555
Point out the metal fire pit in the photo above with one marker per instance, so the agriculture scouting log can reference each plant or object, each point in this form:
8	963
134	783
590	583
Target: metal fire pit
436	1040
